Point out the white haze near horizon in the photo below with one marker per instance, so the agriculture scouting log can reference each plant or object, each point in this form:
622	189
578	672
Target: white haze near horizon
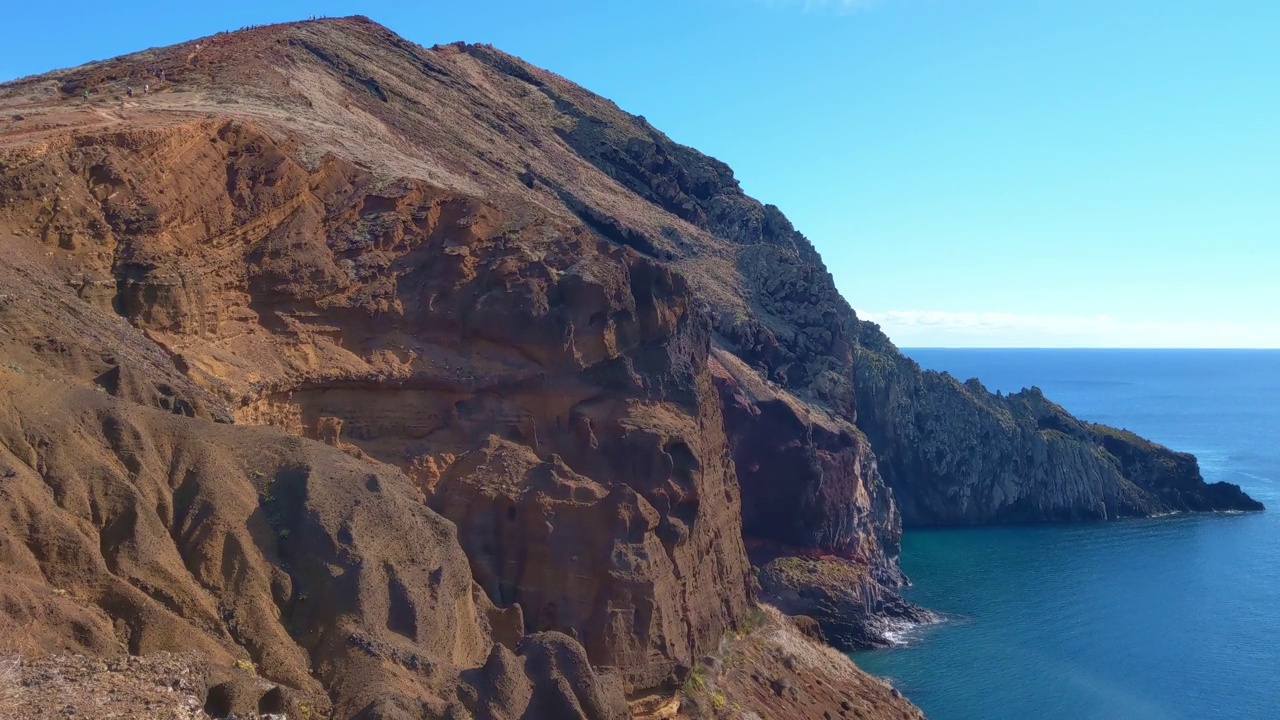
941	328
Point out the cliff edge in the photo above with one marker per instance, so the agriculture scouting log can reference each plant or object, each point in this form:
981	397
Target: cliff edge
408	382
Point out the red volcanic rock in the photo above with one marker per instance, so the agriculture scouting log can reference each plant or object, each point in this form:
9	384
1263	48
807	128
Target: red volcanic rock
321	253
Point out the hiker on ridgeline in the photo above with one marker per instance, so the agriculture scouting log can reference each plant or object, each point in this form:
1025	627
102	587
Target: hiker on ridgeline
146	88
85	94
129	90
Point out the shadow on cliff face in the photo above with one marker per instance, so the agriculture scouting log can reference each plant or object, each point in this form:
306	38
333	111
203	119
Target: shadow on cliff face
822	529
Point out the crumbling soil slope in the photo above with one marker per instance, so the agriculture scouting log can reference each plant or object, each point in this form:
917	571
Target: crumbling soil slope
132	530
774	670
158	686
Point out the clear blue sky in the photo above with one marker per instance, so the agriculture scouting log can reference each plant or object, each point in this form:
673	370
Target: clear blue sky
975	172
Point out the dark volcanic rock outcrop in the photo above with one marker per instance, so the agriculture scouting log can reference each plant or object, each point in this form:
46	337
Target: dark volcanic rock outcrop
958	454
852	611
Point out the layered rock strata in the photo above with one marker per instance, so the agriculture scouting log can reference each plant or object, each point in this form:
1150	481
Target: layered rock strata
420	382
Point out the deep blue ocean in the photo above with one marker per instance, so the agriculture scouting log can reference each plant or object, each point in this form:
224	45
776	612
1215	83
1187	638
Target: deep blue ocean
1176	617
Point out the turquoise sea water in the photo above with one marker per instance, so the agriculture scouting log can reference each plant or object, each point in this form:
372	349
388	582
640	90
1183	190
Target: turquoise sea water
1166	618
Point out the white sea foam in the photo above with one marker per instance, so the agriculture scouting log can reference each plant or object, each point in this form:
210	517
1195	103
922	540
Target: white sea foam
900	633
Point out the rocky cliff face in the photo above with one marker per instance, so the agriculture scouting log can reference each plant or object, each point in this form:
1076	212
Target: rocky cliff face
422	381
416	325
951	452
827	389
232	267
958	454
136	519
810	488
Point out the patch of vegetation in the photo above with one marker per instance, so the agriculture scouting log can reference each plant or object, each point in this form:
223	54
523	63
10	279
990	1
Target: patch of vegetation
311	157
796	573
1125	436
700	701
696	682
756	619
567	123
381	181
360	231
792	570
457	712
1052	435
275	511
1107	457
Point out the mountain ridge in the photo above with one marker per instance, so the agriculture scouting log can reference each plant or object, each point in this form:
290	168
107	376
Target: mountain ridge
528	315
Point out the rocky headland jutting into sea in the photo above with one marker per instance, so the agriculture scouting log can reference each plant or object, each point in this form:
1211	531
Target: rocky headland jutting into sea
395	382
